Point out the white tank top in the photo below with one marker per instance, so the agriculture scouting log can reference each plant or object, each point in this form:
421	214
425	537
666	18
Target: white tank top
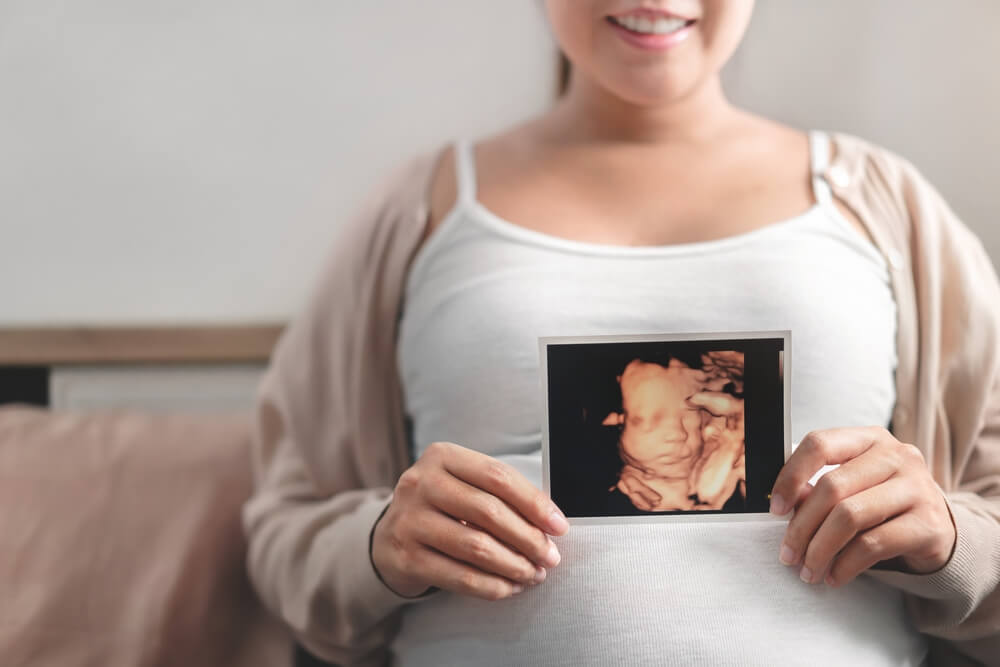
480	293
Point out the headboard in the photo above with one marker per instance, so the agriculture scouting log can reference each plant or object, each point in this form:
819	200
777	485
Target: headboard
214	366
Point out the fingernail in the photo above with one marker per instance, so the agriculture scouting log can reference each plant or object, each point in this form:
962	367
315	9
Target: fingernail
540	574
787	556
517	589
778	505
557	522
552	558
806	575
829	580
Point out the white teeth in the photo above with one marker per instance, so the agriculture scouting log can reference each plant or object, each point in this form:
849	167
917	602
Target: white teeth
662	26
641	24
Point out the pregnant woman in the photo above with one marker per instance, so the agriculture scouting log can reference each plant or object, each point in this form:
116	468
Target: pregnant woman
397	517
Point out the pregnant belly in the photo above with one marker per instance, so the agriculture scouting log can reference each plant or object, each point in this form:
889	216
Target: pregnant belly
661	594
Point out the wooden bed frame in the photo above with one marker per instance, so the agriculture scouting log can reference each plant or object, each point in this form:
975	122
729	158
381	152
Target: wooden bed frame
29	356
51	346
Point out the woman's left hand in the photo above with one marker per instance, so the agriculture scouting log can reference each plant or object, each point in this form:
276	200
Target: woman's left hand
880	504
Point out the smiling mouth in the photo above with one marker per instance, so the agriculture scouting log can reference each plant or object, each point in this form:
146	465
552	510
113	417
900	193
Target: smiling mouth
642	25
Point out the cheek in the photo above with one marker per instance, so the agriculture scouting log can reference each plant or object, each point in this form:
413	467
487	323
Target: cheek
723	26
572	23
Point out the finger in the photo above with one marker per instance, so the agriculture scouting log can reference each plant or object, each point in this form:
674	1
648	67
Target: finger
636	500
731	357
718	403
883	542
614	419
638	486
806	492
851	517
507	484
465	502
452	575
870	469
640	495
477	548
816	450
717	384
717	474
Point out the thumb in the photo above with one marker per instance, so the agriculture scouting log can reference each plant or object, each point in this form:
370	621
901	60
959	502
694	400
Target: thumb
718	403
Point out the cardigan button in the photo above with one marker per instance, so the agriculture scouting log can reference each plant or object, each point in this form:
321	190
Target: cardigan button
838	176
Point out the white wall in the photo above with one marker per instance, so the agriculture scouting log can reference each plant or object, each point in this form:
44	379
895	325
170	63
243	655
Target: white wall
190	160
917	76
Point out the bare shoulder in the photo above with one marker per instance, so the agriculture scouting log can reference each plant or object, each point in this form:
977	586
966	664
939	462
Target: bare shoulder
759	131
495	157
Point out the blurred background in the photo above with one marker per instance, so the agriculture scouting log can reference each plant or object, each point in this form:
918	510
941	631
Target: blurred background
190	161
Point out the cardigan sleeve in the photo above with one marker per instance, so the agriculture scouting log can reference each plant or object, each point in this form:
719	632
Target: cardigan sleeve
958	316
329	441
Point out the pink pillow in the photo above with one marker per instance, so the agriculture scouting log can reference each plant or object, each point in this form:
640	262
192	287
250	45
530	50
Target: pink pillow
120	542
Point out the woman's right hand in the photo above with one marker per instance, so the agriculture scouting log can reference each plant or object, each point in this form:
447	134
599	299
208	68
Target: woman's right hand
467	523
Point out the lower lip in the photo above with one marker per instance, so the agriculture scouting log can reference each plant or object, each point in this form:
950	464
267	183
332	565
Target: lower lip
652	42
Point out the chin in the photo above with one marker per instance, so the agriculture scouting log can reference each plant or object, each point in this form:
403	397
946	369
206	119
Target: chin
651	91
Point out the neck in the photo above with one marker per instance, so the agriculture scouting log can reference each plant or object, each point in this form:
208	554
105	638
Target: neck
589	112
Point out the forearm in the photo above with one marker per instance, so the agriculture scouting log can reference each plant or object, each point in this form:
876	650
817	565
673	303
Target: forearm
961	600
308	560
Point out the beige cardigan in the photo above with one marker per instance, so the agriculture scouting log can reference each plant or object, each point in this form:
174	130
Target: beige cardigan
331	437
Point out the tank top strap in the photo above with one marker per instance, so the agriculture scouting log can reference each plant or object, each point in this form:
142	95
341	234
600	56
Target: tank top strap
819	152
465	168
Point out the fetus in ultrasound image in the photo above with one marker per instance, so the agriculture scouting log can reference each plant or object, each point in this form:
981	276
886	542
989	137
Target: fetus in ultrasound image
682	434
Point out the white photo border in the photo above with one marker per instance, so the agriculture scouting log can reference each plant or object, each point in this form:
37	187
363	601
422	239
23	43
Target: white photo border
784	335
